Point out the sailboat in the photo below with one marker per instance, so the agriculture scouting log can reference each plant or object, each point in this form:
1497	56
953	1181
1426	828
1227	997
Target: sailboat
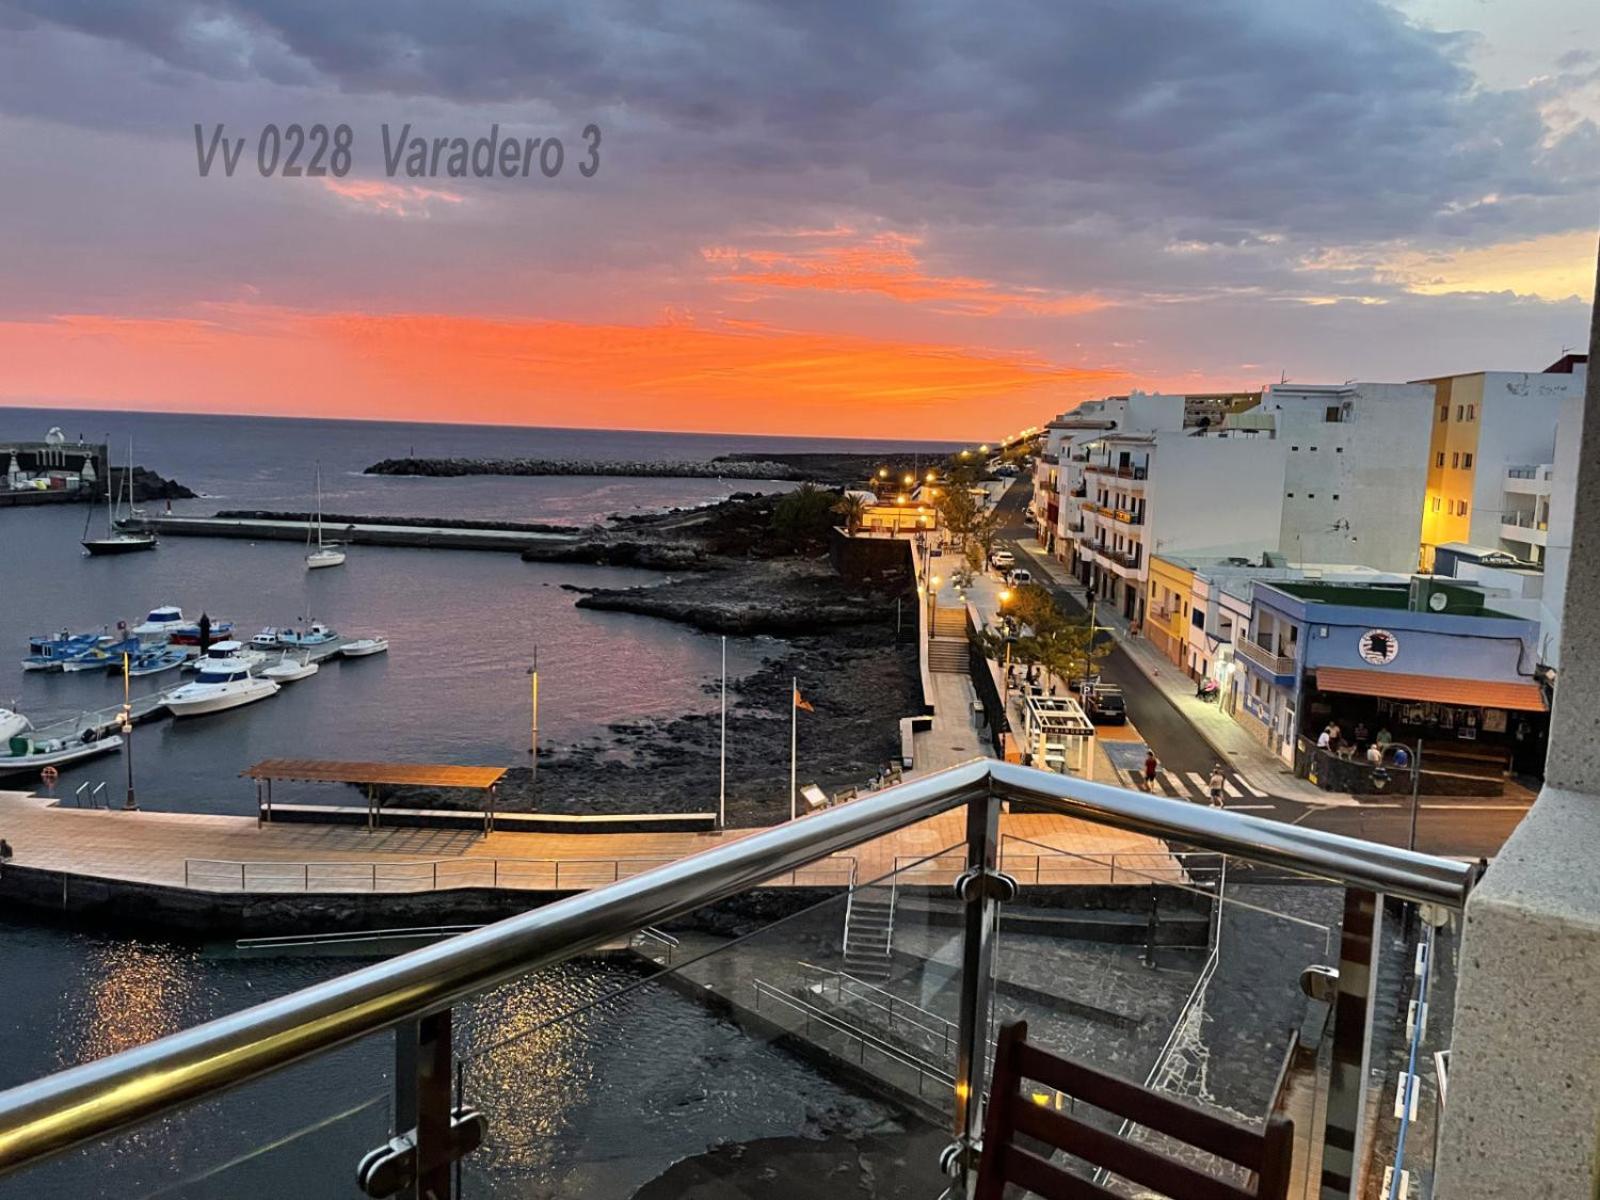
117	541
326	554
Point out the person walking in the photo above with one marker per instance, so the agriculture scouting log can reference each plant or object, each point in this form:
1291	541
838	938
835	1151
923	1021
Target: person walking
1150	766
1216	782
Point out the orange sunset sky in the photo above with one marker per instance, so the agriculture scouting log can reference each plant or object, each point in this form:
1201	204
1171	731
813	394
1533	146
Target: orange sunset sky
942	223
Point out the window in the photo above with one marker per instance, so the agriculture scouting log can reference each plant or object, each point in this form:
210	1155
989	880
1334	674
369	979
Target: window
1466	460
1463	508
1198	619
1311	495
1290	495
1455	458
1436	504
1444	413
1472	412
1440	461
1333	415
1313	449
1294	447
1336	495
1461	412
1338	449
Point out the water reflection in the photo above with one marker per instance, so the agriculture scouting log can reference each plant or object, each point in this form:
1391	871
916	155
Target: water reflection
129	993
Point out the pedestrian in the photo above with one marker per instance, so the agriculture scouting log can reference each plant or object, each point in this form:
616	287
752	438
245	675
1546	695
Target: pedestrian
1375	755
1150	766
1361	737
1216	786
1325	738
1402	759
1384	736
5	850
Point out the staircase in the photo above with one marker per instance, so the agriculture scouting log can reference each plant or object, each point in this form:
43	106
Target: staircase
947	649
869	931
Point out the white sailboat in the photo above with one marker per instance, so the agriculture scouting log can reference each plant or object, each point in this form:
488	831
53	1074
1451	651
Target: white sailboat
326	554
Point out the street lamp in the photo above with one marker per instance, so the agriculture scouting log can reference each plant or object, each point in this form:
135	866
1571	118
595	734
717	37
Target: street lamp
125	727
933	591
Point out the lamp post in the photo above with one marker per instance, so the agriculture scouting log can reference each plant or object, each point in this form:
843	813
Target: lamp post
125	725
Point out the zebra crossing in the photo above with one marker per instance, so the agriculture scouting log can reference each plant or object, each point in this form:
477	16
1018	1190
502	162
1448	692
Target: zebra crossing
1193	785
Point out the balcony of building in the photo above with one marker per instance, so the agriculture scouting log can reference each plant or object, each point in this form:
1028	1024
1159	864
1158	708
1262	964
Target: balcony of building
1529	479
1130	474
821	1001
1269	658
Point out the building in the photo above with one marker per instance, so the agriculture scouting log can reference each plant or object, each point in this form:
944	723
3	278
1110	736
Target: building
1353	475
1487	424
1427	660
1205	409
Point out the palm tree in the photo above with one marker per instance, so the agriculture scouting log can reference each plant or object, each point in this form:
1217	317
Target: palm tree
852	506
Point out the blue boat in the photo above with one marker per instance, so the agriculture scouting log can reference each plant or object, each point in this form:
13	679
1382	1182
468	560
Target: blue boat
52	653
104	657
153	660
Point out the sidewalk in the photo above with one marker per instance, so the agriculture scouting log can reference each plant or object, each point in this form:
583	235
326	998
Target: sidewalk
1245	756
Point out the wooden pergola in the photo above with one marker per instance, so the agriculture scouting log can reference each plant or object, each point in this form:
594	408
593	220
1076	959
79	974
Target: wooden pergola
372	775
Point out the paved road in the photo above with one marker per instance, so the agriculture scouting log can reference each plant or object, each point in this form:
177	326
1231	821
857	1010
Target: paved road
1453	827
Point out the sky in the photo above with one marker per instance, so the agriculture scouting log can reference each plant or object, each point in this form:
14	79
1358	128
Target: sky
920	219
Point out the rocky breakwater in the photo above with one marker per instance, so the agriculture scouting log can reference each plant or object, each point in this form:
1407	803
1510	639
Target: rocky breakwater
680	469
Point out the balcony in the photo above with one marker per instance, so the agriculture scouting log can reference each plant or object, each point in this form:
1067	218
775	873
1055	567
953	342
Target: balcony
1080	491
1278	665
1529	480
803	968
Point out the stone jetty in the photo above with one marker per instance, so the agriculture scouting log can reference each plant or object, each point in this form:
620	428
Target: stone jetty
715	469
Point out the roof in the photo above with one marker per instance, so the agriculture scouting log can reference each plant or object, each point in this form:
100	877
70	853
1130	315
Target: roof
419	774
1482	693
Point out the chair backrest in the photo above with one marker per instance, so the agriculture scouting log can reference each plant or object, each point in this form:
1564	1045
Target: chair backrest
1266	1155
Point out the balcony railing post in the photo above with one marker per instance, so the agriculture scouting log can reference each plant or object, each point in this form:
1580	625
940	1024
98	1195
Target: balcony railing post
982	888
1352	1043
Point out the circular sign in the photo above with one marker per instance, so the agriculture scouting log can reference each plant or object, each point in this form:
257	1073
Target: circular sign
1379	647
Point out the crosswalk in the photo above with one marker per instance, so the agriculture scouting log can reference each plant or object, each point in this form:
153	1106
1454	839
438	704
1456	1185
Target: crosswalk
1192	785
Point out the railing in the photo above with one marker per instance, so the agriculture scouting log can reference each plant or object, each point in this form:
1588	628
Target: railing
430	875
1276	664
1521	520
1121	472
414	993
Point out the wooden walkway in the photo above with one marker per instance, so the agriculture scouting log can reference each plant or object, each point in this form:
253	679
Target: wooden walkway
225	853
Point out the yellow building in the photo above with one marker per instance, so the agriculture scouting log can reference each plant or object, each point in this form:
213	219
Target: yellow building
1166	612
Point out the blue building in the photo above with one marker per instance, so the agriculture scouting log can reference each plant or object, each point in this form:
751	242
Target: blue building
1427	661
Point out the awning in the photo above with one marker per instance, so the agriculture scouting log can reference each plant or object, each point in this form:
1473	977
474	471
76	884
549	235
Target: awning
1478	693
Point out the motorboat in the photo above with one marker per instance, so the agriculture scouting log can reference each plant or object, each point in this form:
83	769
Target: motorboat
267	639
222	684
12	724
287	670
153	660
103	657
362	647
326	554
22	755
315	634
229	651
164	620
189	634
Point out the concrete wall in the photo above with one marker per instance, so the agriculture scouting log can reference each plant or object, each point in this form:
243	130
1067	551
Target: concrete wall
1354	488
1211	495
1563	510
1517	421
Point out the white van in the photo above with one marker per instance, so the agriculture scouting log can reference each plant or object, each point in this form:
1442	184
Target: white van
1020	576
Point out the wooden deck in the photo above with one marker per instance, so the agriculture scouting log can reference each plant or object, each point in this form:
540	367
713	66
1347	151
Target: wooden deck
226	853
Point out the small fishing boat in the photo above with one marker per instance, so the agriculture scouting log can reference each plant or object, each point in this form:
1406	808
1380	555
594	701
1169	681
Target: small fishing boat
117	539
189	634
153	660
267	639
362	647
221	685
326	554
22	755
315	634
54	653
287	670
103	657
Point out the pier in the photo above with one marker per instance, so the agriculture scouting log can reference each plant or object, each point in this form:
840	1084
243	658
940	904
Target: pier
359	533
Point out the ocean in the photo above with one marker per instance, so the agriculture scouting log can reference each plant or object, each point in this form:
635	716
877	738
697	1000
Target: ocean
463	627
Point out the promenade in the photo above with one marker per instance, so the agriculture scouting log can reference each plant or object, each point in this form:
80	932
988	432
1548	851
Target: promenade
211	853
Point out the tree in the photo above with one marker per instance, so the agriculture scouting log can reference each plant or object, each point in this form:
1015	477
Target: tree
958	511
852	506
804	516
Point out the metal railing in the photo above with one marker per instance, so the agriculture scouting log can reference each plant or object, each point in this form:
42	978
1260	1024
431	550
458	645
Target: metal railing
414	992
1277	664
442	874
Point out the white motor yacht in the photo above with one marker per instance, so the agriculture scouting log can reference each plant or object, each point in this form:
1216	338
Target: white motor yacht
362	647
222	684
164	620
230	651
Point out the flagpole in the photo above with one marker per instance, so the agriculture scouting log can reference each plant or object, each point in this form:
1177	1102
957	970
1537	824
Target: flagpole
794	743
722	782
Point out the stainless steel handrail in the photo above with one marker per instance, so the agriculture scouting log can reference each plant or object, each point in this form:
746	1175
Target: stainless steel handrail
60	1111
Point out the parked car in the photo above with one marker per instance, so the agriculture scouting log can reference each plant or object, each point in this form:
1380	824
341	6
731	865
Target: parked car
1002	560
1020	576
1106	706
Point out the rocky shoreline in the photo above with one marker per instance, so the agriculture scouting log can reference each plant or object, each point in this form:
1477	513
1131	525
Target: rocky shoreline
828	469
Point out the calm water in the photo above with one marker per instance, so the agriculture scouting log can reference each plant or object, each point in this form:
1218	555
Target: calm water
462	627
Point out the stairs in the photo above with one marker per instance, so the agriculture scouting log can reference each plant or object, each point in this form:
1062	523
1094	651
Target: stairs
869	932
950	622
947	654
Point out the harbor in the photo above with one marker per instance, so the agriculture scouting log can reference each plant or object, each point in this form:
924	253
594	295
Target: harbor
362	533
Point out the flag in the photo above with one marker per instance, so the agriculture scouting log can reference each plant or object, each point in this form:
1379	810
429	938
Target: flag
800	701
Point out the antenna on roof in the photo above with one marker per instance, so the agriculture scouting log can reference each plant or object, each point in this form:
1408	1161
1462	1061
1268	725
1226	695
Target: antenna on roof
1283	377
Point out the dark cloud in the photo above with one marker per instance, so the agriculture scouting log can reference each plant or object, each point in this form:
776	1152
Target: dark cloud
1331	122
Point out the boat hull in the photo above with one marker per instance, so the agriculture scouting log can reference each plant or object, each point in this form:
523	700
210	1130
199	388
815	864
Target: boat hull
32	764
220	701
318	559
98	547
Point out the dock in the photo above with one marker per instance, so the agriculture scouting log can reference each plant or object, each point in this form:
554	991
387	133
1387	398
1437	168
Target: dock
356	533
150	707
199	853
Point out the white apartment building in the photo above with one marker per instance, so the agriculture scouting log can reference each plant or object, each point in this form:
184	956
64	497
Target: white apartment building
1354	484
1212	493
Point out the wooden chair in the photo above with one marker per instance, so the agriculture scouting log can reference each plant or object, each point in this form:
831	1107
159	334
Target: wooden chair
1266	1155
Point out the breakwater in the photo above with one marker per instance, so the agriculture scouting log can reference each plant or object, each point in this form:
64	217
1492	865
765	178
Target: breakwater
713	469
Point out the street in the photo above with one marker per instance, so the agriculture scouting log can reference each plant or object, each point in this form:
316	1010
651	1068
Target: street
1460	827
